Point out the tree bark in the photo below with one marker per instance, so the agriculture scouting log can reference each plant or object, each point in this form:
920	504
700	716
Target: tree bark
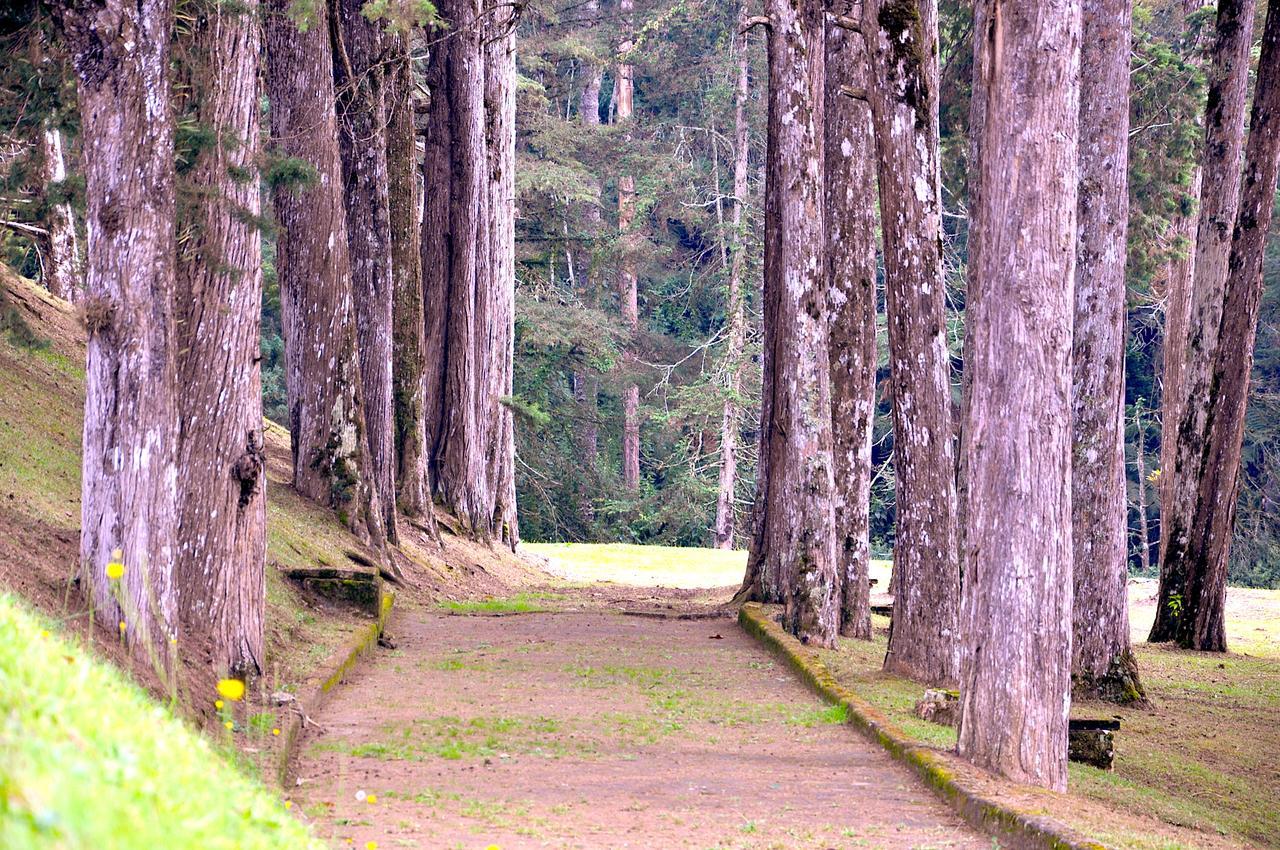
795	547
65	274
1204	558
1015	682
222	541
731	413
331	461
926	573
586	384
1102	663
408	326
360	85
468	271
129	505
498	350
851	283
623	95
1144	529
1177	310
1219	196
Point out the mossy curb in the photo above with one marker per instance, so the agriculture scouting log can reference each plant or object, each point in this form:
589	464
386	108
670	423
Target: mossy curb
362	641
1013	827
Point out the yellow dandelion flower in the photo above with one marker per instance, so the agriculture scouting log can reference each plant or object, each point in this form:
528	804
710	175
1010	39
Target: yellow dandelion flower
232	689
44	633
372	798
123	626
275	731
288	804
115	570
371	845
228	724
493	847
217	703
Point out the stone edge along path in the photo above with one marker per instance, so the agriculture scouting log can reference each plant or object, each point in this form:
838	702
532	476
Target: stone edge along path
361	642
1016	827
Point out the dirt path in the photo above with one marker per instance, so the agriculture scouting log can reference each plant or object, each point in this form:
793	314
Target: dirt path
598	730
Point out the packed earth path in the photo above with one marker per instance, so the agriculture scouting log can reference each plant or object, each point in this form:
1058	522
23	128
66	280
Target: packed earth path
585	727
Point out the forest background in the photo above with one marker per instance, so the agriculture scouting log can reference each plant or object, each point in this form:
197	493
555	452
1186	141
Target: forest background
576	356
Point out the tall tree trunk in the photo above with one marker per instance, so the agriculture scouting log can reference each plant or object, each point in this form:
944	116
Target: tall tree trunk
413	497
1015	683
795	546
586	384
1219	196
1102	663
468	271
65	274
129	505
623	94
731	413
453	282
1204	559
765	578
1177	310
851	285
499	348
331	462
360	84
926	573
222	519
1144	529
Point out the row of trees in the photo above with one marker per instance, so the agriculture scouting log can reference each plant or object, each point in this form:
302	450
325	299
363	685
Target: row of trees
1010	563
396	281
695	239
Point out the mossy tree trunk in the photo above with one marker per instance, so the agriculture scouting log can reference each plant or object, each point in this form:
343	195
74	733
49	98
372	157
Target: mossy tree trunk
408	327
121	54
794	549
628	302
1015	682
723	530
1189	608
849	151
331	461
1206	553
1102	663
222	531
360	82
497	350
468	270
902	35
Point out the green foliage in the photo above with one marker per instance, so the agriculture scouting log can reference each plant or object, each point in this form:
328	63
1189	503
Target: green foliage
91	761
289	172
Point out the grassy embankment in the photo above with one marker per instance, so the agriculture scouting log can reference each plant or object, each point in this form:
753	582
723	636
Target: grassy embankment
87	759
1201	760
41	784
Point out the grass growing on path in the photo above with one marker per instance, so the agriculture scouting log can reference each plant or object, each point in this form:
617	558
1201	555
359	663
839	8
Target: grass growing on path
89	761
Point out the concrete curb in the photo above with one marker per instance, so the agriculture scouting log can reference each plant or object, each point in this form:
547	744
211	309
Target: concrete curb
310	703
1014	827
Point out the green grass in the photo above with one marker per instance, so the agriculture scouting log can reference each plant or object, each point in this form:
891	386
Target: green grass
521	603
647	566
91	762
1196	760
